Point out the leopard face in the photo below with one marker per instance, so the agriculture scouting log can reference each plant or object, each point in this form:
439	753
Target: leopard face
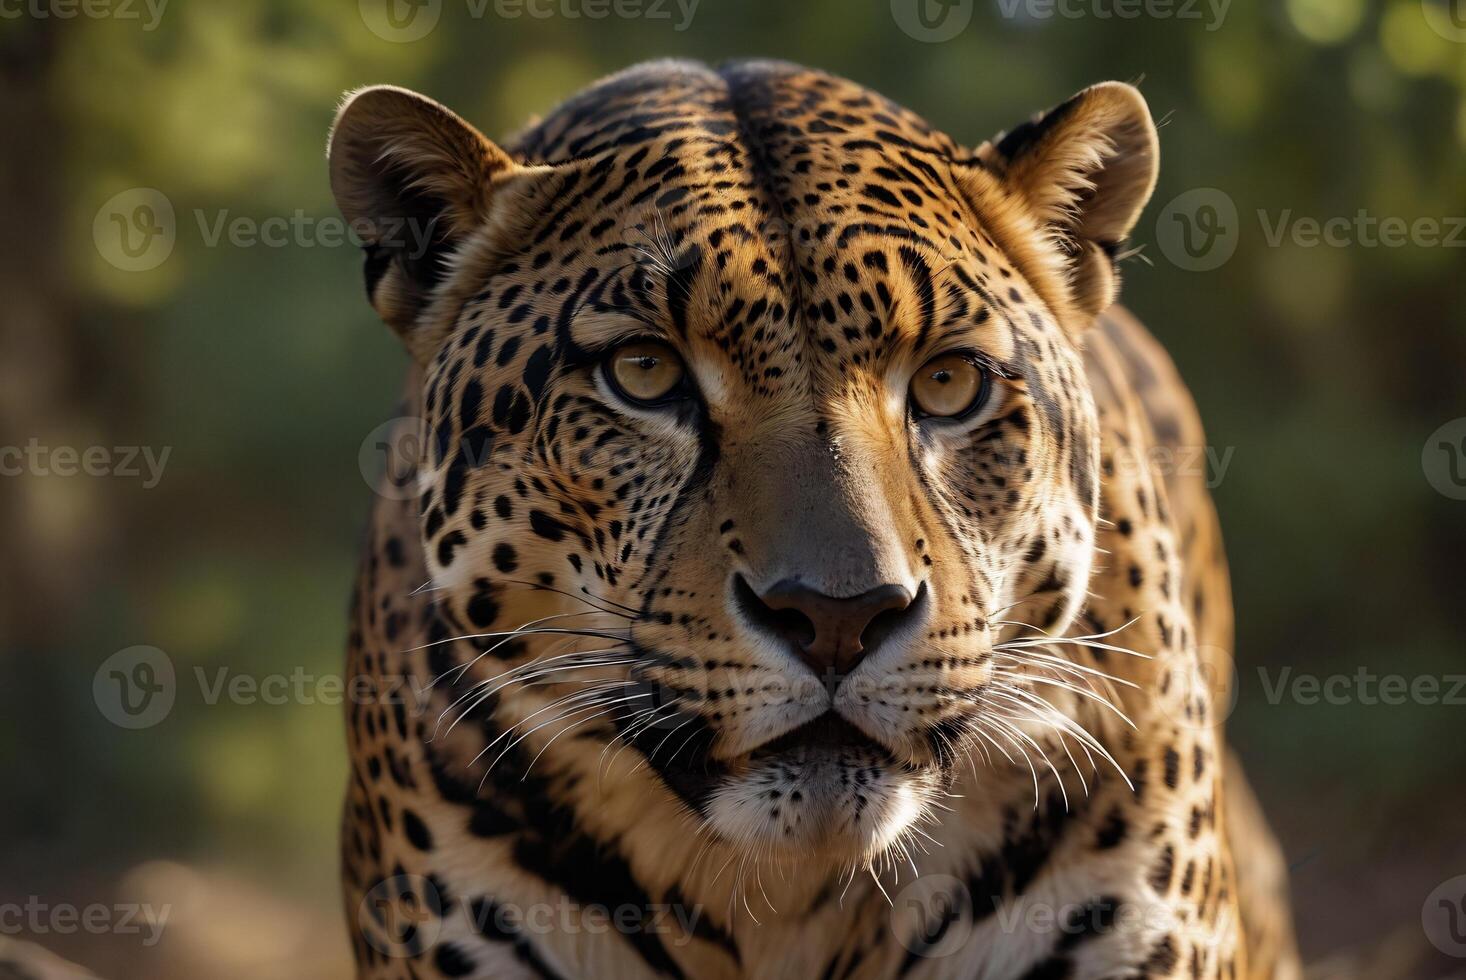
756	422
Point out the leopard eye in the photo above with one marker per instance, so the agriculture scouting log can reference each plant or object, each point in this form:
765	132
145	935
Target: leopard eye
948	386
645	372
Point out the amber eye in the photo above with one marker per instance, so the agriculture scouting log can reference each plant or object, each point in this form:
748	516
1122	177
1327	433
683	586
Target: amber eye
947	386
645	371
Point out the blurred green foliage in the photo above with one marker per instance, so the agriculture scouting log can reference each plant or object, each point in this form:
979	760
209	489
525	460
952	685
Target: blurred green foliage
1323	369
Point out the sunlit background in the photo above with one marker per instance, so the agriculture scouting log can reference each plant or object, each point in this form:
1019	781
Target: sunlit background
1323	369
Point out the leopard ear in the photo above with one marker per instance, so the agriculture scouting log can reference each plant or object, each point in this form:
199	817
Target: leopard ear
412	180
1085	169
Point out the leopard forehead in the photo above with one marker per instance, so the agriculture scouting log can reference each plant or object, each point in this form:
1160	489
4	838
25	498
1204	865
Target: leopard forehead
790	225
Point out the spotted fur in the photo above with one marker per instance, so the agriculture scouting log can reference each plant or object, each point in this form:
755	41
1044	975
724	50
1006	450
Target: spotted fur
1023	778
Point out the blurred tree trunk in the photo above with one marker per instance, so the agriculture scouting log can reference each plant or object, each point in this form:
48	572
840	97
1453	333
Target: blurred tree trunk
42	394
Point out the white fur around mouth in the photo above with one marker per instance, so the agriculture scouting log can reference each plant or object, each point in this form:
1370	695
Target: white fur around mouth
822	789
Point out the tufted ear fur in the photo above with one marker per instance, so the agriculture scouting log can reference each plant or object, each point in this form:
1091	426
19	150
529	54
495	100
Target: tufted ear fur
413	180
1084	169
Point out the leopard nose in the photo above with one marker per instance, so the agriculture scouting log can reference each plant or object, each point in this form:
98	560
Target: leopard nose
832	634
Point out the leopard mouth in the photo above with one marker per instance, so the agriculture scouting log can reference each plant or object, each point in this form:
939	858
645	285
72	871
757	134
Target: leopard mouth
824	790
829	733
693	772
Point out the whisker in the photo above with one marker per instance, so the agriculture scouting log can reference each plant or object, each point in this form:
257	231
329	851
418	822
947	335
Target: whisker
550	742
1091	695
556	631
1059	641
1005	732
510	635
561	717
1013	731
590	695
1057	719
626	737
427	586
1038	712
626	611
1047	661
483	690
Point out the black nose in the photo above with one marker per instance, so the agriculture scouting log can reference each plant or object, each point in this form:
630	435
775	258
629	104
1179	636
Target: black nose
831	634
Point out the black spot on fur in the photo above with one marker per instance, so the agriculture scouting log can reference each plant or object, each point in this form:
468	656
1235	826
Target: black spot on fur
546	526
451	961
417	832
505	558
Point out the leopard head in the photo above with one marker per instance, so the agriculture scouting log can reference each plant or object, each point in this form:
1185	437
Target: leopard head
777	387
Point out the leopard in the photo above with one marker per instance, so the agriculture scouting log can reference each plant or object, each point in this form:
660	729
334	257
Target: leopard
788	572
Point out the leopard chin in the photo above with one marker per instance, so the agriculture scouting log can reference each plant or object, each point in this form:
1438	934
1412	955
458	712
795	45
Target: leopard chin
824	791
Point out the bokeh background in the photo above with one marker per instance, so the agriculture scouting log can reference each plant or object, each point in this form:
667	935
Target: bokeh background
1324	370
